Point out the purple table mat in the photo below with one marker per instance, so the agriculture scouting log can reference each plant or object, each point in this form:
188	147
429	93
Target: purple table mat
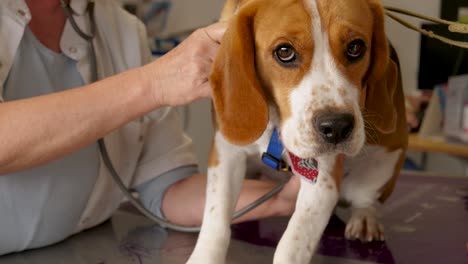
425	219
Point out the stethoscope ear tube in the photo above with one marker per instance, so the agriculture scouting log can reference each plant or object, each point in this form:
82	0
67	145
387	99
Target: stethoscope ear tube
69	12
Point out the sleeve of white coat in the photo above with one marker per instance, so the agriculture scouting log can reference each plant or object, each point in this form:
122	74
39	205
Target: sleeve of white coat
147	57
166	146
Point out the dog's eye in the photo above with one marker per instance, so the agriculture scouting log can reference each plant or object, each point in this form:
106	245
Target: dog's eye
355	50
285	54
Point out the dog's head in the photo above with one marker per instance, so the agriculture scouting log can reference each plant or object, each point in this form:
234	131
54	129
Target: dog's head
324	64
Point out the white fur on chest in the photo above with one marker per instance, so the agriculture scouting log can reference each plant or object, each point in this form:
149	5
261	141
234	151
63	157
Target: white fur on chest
366	173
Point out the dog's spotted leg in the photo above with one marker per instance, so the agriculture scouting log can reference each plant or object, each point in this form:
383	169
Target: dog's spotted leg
365	175
314	207
225	176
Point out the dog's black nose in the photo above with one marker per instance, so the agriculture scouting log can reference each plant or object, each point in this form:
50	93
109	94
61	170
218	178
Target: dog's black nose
333	127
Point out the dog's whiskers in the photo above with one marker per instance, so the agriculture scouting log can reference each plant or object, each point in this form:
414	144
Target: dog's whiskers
370	131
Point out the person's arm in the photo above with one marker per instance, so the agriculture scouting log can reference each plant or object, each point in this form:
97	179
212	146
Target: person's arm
37	130
184	201
413	104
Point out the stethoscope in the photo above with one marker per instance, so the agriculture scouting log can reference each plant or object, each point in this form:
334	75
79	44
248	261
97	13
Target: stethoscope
69	12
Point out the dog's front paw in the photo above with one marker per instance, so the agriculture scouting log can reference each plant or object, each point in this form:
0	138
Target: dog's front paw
208	254
205	259
363	225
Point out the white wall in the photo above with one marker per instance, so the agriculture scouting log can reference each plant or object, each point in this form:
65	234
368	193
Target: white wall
186	15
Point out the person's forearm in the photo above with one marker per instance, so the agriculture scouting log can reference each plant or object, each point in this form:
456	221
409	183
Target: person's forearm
184	202
40	129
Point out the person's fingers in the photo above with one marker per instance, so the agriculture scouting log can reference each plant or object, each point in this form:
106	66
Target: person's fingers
291	188
412	120
215	31
425	98
206	91
210	52
204	68
295	183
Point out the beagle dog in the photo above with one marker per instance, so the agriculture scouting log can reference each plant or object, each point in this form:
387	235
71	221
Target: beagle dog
322	74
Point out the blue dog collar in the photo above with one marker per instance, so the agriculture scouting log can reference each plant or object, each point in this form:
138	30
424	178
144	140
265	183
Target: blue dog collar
272	157
307	168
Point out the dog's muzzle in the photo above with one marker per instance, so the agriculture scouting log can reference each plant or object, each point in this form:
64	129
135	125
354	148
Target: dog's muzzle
333	127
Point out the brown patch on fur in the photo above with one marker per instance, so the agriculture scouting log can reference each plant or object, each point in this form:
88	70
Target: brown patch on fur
238	97
342	92
362	98
337	171
213	159
296	142
345	21
379	103
398	139
270	32
324	89
383	80
329	186
329	105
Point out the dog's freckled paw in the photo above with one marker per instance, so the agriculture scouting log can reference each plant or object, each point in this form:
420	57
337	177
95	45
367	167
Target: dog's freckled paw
206	260
364	226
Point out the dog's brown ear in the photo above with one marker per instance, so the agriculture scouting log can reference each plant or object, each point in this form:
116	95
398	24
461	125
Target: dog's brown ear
382	78
239	101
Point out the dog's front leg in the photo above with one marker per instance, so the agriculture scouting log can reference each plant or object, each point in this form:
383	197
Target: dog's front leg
314	206
225	176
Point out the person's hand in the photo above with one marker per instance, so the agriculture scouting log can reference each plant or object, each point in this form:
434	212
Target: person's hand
288	195
291	189
413	105
181	76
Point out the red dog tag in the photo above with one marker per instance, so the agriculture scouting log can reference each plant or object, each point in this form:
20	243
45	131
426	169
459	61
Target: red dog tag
307	168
